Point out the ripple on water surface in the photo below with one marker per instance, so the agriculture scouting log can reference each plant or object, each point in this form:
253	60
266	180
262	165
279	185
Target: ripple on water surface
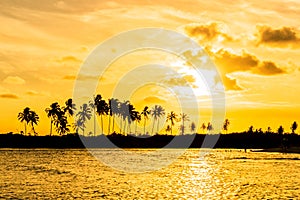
221	174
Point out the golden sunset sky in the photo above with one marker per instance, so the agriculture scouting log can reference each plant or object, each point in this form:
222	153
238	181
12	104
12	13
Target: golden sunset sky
255	46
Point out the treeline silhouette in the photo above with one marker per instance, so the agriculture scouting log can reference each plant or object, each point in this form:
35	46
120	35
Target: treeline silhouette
125	134
243	140
112	109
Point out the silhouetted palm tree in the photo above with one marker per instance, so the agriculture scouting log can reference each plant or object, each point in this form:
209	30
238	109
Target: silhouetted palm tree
203	127
269	130
33	120
226	124
83	115
193	127
131	115
24	117
157	112
209	127
184	117
250	130
53	113
62	126
114	110
172	117
78	124
294	127
145	114
124	114
137	119
69	107
92	104
168	129
102	108
280	130
28	116
110	114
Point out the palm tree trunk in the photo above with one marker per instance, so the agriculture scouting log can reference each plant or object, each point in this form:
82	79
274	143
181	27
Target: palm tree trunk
121	120
102	124
153	126
157	126
144	125
135	128
171	129
113	126
51	127
25	128
130	127
124	127
108	131
94	122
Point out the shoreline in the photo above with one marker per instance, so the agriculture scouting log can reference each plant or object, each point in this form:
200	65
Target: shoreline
242	141
280	150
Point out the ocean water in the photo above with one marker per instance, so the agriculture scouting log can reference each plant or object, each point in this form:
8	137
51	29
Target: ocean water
77	174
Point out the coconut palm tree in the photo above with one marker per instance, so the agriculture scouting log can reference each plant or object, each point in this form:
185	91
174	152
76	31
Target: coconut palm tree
53	113
193	127
78	124
137	118
113	110
83	115
123	114
69	107
24	117
28	116
130	116
226	124
250	130
157	112
269	130
294	127
145	114
92	104
184	117
203	127
110	113
280	130
209	127
172	117
168	129
62	126
33	120
101	108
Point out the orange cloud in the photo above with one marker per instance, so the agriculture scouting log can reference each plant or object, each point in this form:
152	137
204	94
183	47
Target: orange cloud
282	37
9	96
230	83
206	32
268	68
69	59
69	77
229	62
